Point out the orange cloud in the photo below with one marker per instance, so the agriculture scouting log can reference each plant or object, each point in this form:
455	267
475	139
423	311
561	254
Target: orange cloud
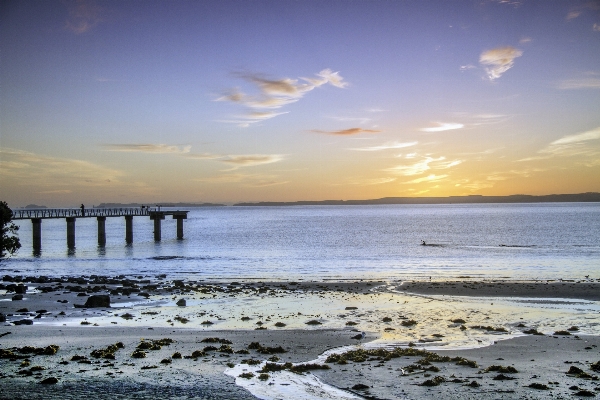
351	131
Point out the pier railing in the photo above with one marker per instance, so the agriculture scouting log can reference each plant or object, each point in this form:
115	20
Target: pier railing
79	213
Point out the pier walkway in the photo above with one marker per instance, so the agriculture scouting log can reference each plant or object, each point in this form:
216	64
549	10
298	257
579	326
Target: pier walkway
71	214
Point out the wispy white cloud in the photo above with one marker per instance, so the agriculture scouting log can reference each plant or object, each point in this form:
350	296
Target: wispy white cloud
46	171
473	185
443	126
203	156
265	183
250	160
575	145
471	120
583	83
423	165
360	120
448	164
467	67
524	40
429	178
499	60
386	146
368	182
262	115
514	3
596	28
249	118
594	134
236	161
276	93
148	148
248	180
84	15
496	177
415	169
581	8
487	117
350	131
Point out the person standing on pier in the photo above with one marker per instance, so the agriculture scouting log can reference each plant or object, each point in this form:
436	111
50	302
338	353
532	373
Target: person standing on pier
82	210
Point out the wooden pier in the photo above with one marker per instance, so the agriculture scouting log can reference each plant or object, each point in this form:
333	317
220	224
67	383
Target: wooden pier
71	214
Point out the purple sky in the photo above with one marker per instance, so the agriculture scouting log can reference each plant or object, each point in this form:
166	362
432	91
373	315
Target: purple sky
294	100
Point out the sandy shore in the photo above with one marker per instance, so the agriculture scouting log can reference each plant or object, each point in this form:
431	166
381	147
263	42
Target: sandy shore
332	314
546	289
128	377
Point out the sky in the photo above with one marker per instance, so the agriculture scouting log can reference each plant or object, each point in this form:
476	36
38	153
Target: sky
229	101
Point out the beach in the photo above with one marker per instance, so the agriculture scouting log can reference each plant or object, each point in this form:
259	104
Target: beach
235	328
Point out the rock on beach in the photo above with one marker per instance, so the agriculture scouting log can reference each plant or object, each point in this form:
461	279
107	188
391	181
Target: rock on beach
96	301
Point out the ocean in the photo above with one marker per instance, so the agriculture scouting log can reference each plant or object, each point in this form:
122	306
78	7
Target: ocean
506	241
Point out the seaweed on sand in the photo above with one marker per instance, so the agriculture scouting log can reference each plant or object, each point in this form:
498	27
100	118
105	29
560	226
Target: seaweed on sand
298	368
266	350
361	355
216	340
500	368
107	352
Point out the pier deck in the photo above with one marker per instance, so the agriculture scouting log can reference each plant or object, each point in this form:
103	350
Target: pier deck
71	214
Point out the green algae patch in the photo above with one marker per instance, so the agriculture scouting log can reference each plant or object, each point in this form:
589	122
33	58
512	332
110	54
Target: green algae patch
266	350
216	340
500	368
297	369
362	355
489	328
434	382
107	352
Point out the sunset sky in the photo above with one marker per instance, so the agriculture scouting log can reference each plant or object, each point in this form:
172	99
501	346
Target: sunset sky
226	101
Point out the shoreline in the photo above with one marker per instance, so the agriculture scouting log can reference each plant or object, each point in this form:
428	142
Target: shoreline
570	289
305	319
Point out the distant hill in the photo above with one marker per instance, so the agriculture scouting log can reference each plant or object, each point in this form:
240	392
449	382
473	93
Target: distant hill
34	206
180	205
473	199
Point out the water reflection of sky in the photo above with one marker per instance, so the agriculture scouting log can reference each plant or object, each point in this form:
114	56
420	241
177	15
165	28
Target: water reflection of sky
518	241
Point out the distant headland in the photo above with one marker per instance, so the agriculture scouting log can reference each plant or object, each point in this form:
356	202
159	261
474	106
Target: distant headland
132	205
472	199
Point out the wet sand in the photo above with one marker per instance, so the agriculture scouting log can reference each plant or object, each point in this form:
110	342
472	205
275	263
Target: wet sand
539	359
547	289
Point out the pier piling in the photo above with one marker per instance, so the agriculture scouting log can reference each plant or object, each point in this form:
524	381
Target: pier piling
101	231
180	219
71	232
129	229
37	234
157	217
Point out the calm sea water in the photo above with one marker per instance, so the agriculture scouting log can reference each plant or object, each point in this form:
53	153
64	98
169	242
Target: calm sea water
523	241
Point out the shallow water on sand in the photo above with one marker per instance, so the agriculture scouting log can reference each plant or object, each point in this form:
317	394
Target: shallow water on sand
384	312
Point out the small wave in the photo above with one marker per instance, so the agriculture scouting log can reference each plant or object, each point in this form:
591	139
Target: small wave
167	258
198	258
516	245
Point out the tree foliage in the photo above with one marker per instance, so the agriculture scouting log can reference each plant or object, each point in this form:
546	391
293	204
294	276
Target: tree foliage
9	241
